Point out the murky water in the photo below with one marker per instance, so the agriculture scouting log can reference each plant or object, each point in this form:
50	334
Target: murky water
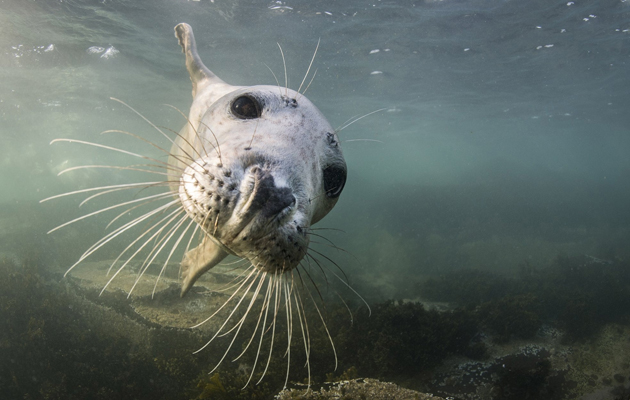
503	141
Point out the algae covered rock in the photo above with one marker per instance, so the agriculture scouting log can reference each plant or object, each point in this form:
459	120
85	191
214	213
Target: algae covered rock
359	389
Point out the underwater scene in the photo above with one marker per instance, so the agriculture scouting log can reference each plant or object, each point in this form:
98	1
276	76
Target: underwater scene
383	199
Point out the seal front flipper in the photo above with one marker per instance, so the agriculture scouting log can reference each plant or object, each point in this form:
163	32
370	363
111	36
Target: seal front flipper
198	261
200	75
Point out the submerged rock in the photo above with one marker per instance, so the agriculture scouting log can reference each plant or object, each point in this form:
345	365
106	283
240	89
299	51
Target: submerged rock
358	389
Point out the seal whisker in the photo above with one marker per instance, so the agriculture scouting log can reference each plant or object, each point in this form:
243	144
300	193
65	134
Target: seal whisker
238	279
172	216
192	127
174	143
330	339
127	211
273	323
146	120
110	236
155	196
168	153
104	192
217	148
275	77
345	282
308	69
175	246
331	261
254	270
309	83
362	140
252	139
347	308
352	121
110	148
240	260
261	280
190	240
305	333
157	250
146	231
129	168
269	294
237	326
227	319
328	242
326	229
124	185
289	313
286	77
263	307
316	261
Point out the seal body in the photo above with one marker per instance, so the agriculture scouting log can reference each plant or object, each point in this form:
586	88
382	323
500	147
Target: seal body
254	167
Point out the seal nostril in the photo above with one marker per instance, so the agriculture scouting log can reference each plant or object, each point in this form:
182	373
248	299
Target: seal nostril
279	199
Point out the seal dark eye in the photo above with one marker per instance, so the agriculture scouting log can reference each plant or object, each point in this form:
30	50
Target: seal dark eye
246	107
334	180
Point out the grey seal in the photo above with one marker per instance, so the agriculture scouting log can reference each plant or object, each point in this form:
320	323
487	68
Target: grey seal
261	164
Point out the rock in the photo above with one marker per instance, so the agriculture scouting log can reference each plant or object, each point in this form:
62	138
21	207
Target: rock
359	389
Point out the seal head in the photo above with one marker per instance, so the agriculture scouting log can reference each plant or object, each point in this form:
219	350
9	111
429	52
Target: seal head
256	166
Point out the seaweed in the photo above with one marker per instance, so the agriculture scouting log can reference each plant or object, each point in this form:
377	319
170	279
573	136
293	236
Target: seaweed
404	339
579	294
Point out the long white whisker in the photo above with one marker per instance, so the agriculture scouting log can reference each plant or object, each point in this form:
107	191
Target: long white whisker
273	325
159	195
351	288
171	215
262	309
304	330
227	301
309	83
362	140
194	130
270	293
125	185
275	77
309	68
110	236
227	319
102	146
175	246
133	167
168	153
146	232
157	250
289	310
286	77
321	317
130	209
358	119
104	192
242	320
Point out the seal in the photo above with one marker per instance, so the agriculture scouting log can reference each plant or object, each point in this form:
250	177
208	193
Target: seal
252	169
261	164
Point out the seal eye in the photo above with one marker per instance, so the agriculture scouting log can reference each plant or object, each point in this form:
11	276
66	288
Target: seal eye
246	107
334	180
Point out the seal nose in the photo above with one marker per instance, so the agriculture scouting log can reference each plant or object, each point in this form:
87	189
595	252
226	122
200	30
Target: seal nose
269	198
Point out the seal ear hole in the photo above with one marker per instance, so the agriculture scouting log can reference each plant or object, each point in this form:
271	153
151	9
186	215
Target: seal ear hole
334	180
246	107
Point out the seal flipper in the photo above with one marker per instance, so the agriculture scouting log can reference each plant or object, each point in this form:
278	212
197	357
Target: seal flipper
200	75
198	261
